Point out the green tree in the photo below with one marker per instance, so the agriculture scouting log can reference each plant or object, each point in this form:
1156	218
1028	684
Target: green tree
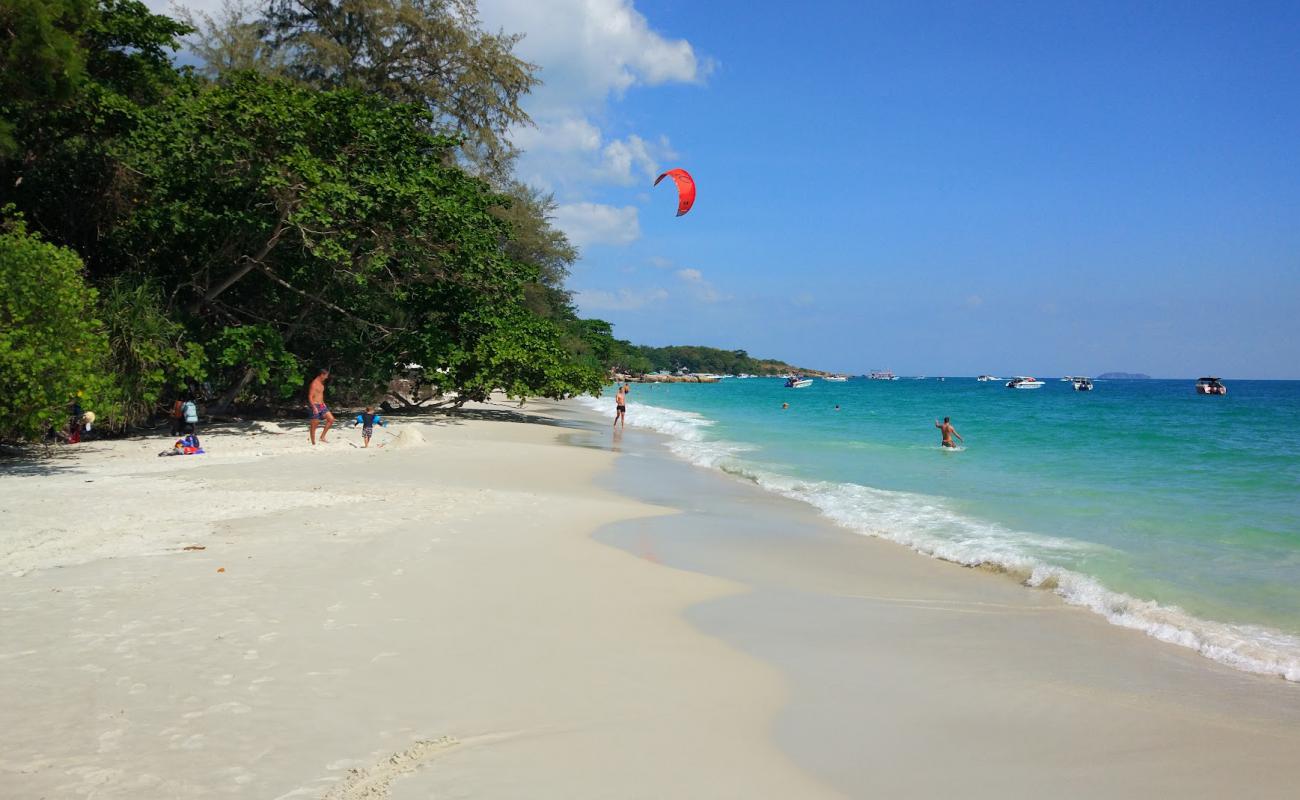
75	76
41	59
149	355
432	53
52	347
259	202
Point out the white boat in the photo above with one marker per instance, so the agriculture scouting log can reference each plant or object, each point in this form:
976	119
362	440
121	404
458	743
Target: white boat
882	375
836	378
987	378
1081	384
1210	386
798	383
1068	378
1024	382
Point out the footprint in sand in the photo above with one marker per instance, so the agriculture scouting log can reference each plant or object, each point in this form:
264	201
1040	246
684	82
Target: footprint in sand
375	782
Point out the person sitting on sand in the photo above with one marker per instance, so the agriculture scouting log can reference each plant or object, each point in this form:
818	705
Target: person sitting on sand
316	405
948	432
368	419
620	405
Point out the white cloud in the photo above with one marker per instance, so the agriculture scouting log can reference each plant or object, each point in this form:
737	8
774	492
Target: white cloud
561	136
589	52
623	157
594	223
620	300
591	49
701	289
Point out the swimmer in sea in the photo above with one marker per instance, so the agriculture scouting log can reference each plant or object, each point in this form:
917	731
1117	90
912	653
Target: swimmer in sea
948	432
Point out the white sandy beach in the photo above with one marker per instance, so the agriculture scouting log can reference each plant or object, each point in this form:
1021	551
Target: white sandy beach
433	619
434	613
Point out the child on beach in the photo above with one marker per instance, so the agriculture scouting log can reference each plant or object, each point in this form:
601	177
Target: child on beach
367	420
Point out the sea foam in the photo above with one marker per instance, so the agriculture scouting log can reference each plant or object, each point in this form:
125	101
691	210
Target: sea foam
928	526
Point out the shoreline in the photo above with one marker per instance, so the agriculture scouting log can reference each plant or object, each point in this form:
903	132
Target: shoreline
1249	647
910	674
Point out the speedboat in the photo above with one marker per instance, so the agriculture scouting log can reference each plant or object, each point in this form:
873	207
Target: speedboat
798	383
836	378
986	378
1210	386
1068	378
882	375
1024	382
1082	384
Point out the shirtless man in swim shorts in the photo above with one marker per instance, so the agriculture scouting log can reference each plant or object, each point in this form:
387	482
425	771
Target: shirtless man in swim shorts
948	432
620	405
316	405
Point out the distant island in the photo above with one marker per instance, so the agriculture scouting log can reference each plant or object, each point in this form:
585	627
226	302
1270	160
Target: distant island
693	359
1123	376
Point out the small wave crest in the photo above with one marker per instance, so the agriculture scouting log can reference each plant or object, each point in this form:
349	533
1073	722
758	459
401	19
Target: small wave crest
687	432
929	527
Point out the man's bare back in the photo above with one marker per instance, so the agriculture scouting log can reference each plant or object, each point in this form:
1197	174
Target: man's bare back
948	432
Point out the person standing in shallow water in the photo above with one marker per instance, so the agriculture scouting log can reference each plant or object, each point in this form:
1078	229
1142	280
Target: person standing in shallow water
316	405
620	405
948	432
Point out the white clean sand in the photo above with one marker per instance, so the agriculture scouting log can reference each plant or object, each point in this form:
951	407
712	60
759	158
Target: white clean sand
429	617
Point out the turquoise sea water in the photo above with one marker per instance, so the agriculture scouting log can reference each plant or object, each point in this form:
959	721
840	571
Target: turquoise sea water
1163	510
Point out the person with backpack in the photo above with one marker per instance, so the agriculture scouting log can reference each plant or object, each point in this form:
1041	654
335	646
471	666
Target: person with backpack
189	419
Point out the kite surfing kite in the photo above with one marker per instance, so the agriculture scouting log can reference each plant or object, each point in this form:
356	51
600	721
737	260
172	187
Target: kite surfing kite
685	188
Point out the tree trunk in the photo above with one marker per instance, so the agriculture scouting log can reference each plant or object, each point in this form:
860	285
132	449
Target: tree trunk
227	400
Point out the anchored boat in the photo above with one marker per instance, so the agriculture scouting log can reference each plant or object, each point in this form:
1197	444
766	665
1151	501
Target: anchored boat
1210	386
1024	382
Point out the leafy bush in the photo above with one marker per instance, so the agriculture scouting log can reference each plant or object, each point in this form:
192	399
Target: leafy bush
255	361
149	354
52	347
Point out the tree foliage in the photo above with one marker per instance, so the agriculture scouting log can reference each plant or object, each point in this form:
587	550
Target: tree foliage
431	53
52	347
149	354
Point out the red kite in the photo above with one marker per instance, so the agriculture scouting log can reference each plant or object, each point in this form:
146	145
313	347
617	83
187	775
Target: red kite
685	188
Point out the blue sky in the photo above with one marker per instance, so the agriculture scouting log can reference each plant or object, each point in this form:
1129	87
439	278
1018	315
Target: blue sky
936	188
